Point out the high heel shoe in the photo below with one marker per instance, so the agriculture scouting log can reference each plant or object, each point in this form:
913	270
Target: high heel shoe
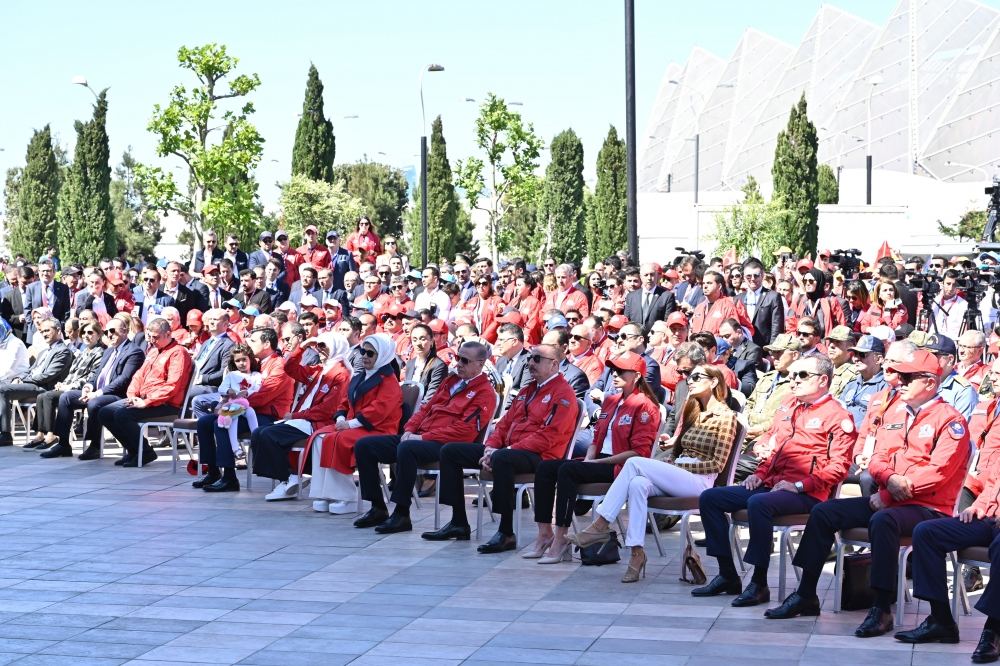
636	567
537	551
565	554
590	535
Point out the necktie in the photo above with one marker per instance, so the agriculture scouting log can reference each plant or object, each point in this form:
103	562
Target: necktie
102	379
45	295
459	387
205	348
647	297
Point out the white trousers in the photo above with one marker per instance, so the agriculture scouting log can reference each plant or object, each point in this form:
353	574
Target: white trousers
327	483
640	479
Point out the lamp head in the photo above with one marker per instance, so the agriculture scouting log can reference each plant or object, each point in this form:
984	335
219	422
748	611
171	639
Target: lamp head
435	68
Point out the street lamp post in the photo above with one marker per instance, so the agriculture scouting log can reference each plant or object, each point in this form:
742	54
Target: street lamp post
423	165
872	82
82	81
631	171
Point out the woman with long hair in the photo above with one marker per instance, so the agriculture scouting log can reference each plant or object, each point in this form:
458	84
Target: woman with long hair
424	365
594	289
485	307
816	304
858	301
686	464
364	240
886	309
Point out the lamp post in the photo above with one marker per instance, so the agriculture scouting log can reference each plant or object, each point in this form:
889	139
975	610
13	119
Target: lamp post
631	171
423	165
82	81
872	82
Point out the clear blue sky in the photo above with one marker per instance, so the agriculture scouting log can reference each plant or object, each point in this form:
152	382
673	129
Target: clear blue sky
563	59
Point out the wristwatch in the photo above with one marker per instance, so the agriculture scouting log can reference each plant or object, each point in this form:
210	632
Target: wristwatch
799	487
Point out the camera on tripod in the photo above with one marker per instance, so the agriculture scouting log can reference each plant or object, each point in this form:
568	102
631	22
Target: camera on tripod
697	254
848	261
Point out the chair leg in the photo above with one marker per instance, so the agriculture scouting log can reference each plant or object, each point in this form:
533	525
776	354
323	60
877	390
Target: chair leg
518	498
249	468
902	589
838	573
958	595
173	451
143	432
651	517
782	561
790	544
479	511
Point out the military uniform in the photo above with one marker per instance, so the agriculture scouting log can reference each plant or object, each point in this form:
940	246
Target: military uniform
842	376
958	392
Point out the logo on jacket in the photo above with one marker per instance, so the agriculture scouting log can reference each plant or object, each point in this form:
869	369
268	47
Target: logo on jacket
470	395
957	429
625	420
644	417
814	423
547	399
926	430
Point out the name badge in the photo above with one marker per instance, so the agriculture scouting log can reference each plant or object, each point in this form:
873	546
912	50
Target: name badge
814	424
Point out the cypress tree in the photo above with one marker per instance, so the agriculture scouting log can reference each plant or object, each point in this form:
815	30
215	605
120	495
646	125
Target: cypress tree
35	227
442	202
796	180
609	218
561	211
315	145
85	223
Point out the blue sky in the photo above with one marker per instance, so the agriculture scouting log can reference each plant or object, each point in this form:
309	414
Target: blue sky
564	60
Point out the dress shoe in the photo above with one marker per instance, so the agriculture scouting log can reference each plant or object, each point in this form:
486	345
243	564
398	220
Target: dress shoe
128	457
701	543
374	516
498	544
57	451
536	550
397	522
449	531
35	444
876	623
206	480
564	554
718	585
929	631
148	456
793	606
6	439
636	567
988	649
753	595
427	490
973	579
90	453
590	535
224	485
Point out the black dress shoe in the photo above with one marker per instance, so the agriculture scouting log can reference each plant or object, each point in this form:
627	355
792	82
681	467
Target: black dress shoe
124	460
718	585
753	595
988	649
35	444
206	480
90	453
223	485
397	522
449	531
793	606
374	516
6	439
148	456
929	631
498	544
876	623
57	451
428	490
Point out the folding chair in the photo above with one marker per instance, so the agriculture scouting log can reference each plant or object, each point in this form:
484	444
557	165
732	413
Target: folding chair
166	422
25	411
977	556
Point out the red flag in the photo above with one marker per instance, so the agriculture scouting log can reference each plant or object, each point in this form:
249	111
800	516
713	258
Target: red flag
883	251
729	258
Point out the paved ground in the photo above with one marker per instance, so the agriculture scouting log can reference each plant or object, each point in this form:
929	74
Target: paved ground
101	565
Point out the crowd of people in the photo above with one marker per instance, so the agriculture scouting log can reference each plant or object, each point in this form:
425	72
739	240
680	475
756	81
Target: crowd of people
643	378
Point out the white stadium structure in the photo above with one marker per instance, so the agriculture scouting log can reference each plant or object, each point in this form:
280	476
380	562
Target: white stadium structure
931	76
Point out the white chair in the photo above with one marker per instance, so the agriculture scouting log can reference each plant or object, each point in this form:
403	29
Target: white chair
25	411
165	422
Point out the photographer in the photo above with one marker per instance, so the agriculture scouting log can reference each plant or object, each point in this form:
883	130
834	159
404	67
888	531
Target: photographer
887	310
948	307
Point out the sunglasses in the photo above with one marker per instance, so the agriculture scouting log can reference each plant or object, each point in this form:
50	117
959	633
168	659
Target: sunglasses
89	332
398	286
805	334
549	265
465	360
697	377
390	242
370	353
808	281
906	378
149	280
684	373
538	358
288	339
282	238
803	374
482	284
937	265
577	338
860	355
385	274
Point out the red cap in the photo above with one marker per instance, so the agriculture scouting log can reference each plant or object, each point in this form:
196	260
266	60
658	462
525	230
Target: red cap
672	274
617	322
921	361
677	317
627	361
312	228
210	269
320	314
114	277
825	253
804	263
438	326
512	317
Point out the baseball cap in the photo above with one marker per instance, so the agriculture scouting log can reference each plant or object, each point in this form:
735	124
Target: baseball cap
288	306
922	361
233	303
266	235
825	253
627	361
332	303
72	270
415	274
803	263
250	310
333	233
320	314
512	317
672	274
556	321
437	326
940	344
721	346
312	228
210	269
114	277
411	314
784	249
617	322
784	342
677	317
280	232
362	303
869	343
840	334
309	301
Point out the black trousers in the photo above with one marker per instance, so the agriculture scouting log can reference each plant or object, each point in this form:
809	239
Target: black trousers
214	448
885	527
269	444
46	405
8	394
70	401
123	421
934	539
369	452
559	480
505	463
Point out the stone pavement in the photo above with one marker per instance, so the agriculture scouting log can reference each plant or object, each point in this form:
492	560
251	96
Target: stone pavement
103	565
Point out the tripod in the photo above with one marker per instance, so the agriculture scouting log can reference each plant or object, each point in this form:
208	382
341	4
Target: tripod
972	320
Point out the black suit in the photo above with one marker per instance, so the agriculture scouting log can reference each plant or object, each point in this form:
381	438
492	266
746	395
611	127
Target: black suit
519	373
909	298
199	259
744	362
768	319
205	295
185	300
59	304
260	300
576	378
12	309
434	372
85	301
661	305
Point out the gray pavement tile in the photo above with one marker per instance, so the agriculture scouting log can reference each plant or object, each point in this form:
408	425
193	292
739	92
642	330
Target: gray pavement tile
270	658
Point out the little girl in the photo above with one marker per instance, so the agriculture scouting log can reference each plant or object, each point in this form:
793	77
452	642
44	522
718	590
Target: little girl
240	381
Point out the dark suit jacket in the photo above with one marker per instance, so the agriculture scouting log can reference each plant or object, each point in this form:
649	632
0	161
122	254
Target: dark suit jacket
162	300
199	258
604	382
60	305
260	258
85	301
51	366
339	295
260	299
278	293
187	300
11	308
744	361
242	261
204	295
519	373
130	359
769	318
663	304
296	293
909	298
576	378
214	365
341	263
433	374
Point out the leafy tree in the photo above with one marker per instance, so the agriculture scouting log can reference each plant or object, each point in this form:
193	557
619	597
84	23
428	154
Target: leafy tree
522	227
85	225
327	205
970	226
829	189
34	227
382	190
11	194
506	178
753	228
222	192
796	180
442	201
560	211
138	228
609	233
315	145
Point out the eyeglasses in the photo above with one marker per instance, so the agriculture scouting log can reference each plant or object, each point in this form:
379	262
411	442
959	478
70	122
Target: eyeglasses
282	238
549	265
234	244
937	266
288	339
149	280
538	358
684	373
90	332
389	242
482	284
500	341
805	334
961	346
398	286
697	377
752	276
808	281
370	353
803	375
465	360
384	273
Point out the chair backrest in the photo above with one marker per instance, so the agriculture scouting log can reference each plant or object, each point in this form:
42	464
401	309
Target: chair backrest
413	393
481	437
729	471
973	462
508	385
581	422
187	394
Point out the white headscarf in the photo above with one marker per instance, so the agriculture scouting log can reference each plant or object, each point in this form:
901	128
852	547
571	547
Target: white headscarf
386	351
337	346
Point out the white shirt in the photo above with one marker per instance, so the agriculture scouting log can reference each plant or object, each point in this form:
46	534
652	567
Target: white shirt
948	315
437	297
13	359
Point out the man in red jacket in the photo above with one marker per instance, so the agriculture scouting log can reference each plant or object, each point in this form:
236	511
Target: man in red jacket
156	390
458	411
920	476
566	297
537	427
811	441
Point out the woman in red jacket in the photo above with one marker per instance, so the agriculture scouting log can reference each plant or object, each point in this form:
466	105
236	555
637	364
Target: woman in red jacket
485	307
887	310
530	307
816	304
626	428
364	240
372	406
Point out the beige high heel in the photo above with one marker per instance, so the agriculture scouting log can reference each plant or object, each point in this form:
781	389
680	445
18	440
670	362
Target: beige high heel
565	554
636	567
590	535
537	552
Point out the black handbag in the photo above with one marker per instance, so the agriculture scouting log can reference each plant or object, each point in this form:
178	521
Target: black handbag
856	593
602	552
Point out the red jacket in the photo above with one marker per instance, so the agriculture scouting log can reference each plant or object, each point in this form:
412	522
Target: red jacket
933	453
573	299
531	310
377	403
368	243
988	472
975	373
318	256
163	377
589	363
878	407
332	388
635	426
274	398
812	444
603	348
709	317
984	431
875	316
833	314
292	262
487	322
455	418
540	420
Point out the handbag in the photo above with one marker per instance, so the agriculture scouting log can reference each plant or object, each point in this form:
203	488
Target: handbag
856	593
691	562
602	552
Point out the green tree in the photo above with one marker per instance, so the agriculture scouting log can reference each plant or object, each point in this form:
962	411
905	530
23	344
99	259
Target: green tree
829	189
522	226
138	228
11	194
752	228
560	210
222	192
609	232
505	179
34	228
315	144
382	190
442	201
970	226
796	180
85	225
327	205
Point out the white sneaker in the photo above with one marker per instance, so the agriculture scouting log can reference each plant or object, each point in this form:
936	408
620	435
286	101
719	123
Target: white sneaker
280	492
340	507
321	505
